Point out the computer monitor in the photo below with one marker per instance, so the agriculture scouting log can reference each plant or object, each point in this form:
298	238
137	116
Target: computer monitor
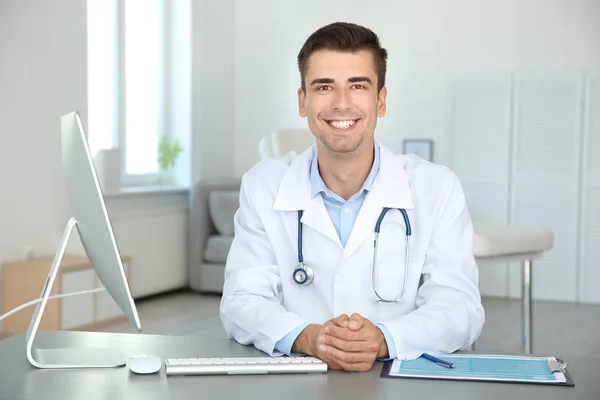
90	217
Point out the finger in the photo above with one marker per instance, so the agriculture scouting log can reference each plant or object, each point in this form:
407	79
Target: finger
360	346
336	364
356	322
338	332
345	345
367	332
358	367
355	367
341	321
326	358
341	356
331	363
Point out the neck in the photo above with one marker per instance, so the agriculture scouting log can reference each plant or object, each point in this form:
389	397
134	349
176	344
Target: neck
344	174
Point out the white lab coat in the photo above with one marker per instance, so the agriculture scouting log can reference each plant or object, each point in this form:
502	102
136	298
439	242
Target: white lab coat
261	303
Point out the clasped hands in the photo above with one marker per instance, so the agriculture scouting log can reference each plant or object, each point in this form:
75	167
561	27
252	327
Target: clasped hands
349	343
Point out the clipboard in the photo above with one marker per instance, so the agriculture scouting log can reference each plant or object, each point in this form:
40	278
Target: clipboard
484	368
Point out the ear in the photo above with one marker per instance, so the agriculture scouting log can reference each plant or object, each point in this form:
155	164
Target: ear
301	103
381	107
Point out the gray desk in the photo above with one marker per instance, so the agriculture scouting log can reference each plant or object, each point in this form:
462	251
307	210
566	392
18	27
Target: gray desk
19	380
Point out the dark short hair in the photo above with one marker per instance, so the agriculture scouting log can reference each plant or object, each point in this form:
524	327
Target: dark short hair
344	36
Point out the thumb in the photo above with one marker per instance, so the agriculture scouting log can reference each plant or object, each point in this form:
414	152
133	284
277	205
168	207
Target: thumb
356	322
341	321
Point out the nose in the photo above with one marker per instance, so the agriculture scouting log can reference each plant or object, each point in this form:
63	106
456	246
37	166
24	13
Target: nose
341	100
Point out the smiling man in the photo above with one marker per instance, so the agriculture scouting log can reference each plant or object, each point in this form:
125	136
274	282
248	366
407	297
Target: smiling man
349	252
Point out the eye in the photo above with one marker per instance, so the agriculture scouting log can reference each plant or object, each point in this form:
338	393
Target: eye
324	88
358	86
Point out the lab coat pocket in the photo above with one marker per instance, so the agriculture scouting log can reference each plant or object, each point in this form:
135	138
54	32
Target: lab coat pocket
391	269
389	280
388	291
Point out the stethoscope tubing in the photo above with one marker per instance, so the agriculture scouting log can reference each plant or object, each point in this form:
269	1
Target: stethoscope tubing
307	270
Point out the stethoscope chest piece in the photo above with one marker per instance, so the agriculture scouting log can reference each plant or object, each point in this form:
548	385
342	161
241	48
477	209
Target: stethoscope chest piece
303	274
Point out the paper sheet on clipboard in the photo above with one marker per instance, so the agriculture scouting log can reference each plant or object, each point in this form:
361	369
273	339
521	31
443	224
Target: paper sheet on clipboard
484	367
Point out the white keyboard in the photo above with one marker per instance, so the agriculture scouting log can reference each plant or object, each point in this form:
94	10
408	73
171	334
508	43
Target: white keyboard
240	366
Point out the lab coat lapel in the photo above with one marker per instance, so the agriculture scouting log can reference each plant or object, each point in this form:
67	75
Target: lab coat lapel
390	189
316	217
294	195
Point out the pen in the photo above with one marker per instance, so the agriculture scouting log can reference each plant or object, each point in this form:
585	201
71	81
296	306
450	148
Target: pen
438	361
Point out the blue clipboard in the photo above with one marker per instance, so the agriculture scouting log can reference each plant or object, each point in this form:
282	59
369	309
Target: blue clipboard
484	368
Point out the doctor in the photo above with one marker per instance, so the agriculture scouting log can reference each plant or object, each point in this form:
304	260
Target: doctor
349	252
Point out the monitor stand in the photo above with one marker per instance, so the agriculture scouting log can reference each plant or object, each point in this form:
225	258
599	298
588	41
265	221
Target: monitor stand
78	357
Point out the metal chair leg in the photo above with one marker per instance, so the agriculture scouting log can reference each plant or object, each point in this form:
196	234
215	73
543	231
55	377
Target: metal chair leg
527	325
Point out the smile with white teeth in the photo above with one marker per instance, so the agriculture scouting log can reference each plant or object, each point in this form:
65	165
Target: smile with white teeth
342	124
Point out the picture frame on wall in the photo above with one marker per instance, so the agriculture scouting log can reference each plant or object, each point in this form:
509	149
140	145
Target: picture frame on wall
421	147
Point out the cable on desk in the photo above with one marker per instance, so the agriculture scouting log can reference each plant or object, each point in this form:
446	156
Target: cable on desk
56	296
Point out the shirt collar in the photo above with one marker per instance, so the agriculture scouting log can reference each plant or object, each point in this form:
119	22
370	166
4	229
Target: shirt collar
317	185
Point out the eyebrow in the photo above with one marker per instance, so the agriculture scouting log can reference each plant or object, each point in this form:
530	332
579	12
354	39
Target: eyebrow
359	79
353	79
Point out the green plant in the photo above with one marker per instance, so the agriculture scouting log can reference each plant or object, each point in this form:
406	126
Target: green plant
168	152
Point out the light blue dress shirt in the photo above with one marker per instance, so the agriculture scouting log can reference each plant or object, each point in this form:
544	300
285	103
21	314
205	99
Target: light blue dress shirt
343	214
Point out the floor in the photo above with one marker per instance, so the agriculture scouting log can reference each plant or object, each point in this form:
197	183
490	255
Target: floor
560	329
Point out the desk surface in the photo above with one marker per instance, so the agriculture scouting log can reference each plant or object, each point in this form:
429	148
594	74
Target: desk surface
20	380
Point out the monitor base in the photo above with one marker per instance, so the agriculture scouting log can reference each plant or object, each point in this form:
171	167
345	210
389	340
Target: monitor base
77	358
70	357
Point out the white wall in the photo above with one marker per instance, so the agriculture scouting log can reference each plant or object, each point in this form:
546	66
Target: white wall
431	44
152	231
43	76
213	88
426	41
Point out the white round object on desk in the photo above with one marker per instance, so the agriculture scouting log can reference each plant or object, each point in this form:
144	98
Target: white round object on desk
144	364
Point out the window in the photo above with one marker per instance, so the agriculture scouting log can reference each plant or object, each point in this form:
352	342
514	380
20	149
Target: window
130	56
142	81
102	75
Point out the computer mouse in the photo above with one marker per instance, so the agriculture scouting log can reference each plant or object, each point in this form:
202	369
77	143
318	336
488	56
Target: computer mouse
144	364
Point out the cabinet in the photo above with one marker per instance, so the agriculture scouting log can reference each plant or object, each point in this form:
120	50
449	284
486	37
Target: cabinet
536	137
22	281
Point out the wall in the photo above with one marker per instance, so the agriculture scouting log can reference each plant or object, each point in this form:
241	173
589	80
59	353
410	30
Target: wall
213	84
43	76
427	41
433	45
152	230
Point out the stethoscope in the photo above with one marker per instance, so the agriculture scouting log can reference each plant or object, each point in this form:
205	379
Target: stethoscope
304	274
